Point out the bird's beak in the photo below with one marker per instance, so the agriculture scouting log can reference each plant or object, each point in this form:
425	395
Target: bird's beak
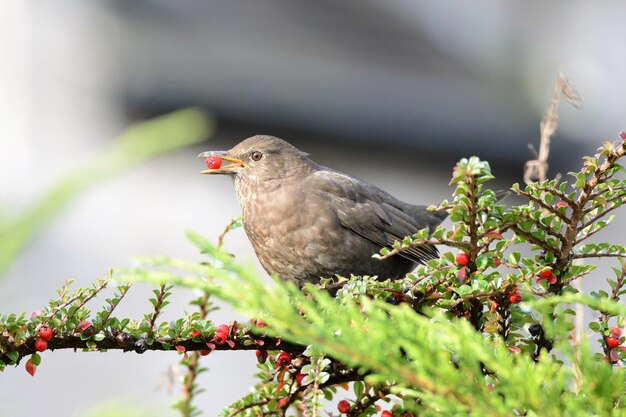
232	168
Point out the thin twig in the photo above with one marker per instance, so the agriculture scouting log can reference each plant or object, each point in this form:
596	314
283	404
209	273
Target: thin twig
544	205
157	310
370	400
194	361
599	255
537	169
112	305
603	213
80	293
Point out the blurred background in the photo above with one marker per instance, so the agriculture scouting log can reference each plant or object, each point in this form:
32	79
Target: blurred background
393	92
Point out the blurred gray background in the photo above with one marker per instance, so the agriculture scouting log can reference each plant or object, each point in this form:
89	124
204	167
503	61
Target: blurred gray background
394	92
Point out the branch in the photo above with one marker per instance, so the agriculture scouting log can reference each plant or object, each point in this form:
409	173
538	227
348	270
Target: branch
601	214
583	199
537	169
598	255
379	391
193	364
126	342
79	294
543	204
530	238
158	304
554	190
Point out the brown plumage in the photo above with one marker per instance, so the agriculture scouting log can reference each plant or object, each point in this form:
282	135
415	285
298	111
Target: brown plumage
307	221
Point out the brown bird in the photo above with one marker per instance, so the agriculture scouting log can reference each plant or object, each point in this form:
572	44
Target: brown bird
306	221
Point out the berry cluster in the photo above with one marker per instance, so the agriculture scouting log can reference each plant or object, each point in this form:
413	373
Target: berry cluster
45	335
41	344
613	341
221	334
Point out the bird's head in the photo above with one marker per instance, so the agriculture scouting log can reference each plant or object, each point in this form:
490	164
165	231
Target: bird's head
260	158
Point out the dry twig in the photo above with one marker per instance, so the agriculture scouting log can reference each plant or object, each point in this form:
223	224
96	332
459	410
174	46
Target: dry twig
537	169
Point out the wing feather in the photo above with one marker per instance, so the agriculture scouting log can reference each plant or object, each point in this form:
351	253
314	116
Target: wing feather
375	215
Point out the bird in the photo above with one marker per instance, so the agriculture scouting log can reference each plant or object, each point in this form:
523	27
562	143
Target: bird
306	221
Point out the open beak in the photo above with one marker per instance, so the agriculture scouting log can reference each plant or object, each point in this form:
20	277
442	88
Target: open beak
230	169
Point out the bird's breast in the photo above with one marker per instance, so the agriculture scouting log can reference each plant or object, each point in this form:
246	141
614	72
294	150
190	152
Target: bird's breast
290	232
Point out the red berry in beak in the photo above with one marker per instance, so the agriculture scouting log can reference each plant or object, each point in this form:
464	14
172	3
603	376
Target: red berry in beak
213	162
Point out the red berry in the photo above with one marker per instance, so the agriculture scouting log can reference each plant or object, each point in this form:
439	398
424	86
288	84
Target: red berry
45	332
196	333
343	406
299	378
220	338
261	356
31	368
386	414
611	342
398	296
283	359
222	328
205	352
497	261
546	273
462	258
213	162
41	345
515	297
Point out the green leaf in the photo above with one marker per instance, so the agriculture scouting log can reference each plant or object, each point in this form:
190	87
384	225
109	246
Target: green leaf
35	358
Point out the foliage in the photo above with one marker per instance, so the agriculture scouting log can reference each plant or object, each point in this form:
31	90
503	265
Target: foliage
137	144
492	335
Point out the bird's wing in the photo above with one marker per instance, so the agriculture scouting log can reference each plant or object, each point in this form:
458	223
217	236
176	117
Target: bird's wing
375	215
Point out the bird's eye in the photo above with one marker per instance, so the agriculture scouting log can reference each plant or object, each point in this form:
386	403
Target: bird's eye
256	155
